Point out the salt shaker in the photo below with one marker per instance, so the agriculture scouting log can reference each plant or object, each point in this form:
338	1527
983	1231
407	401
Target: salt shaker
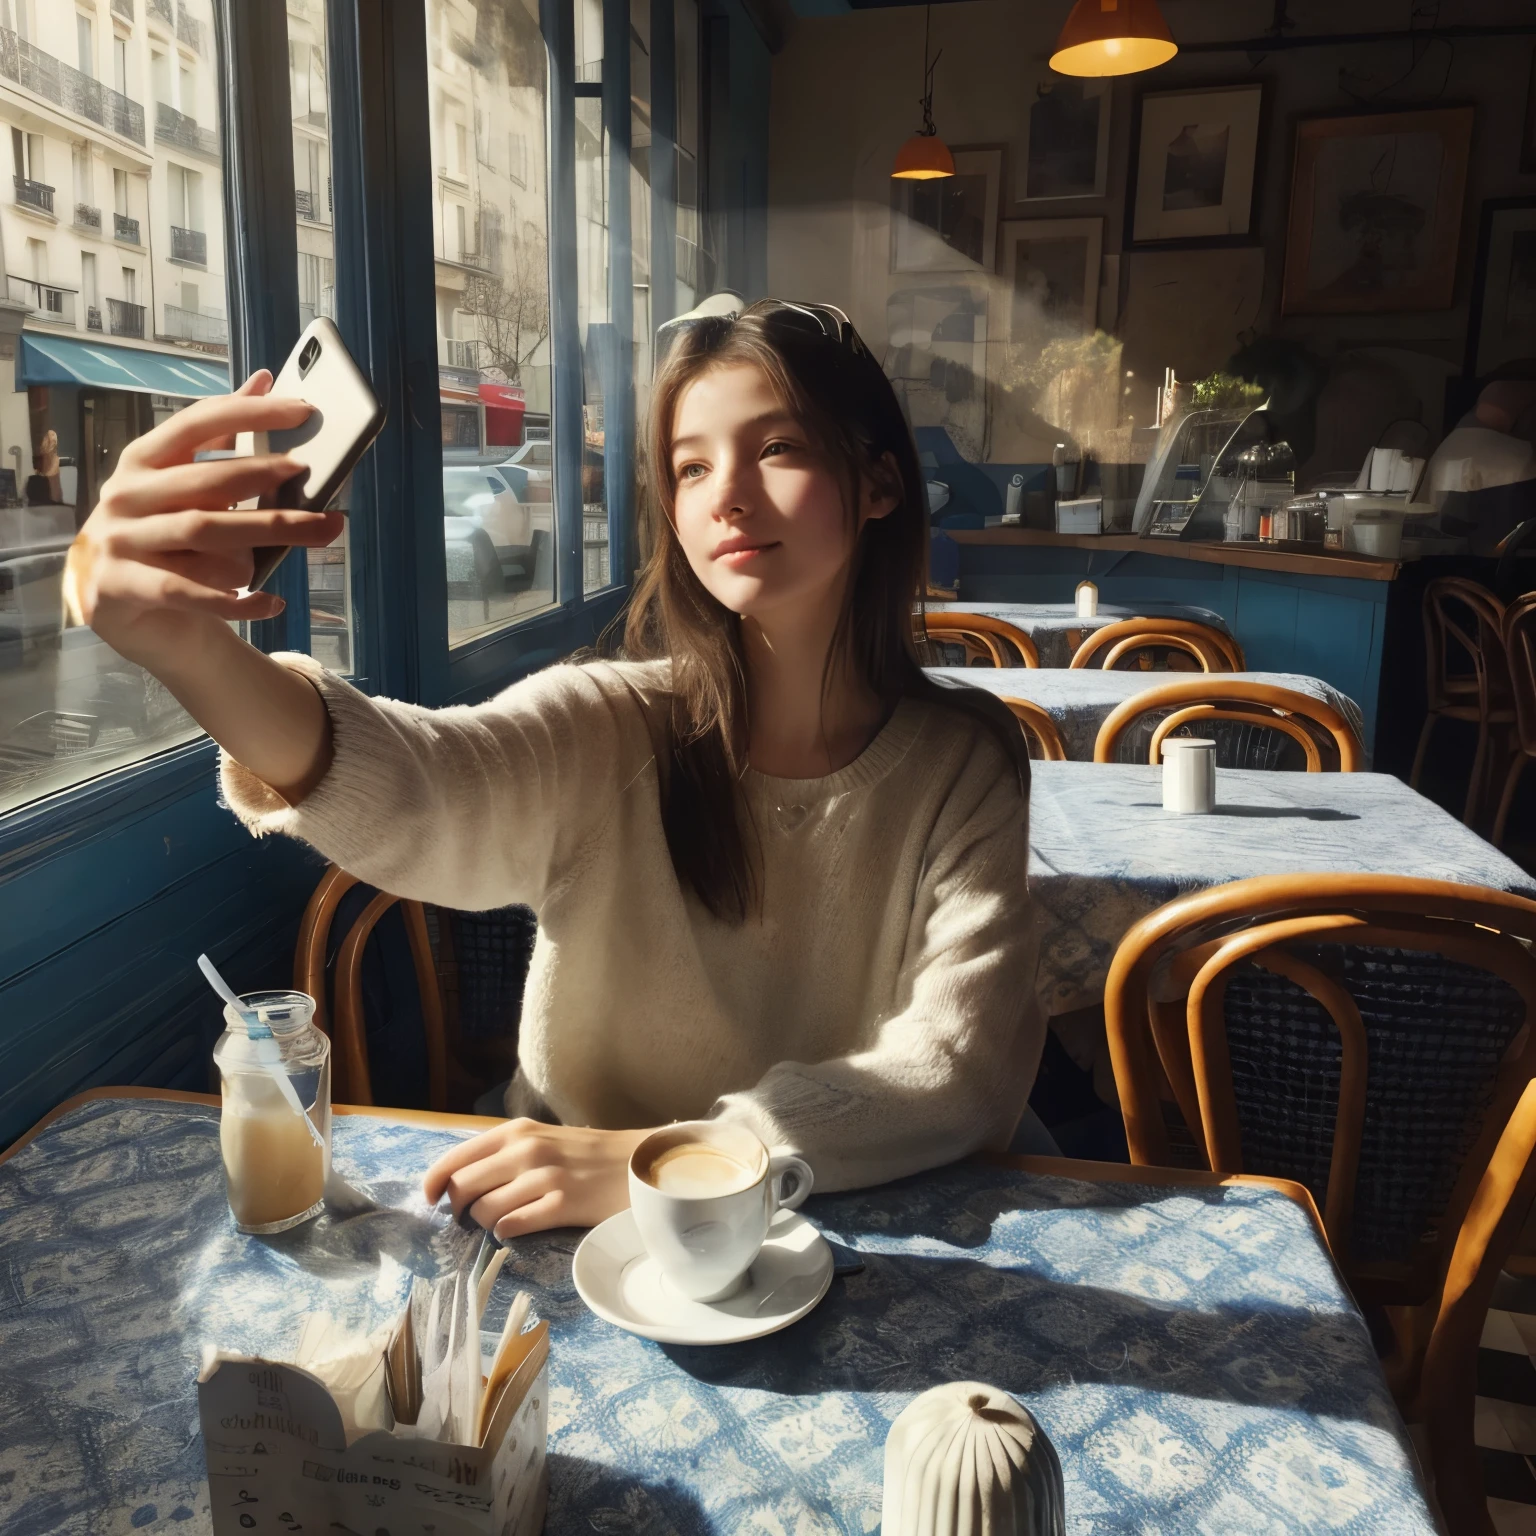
275	1157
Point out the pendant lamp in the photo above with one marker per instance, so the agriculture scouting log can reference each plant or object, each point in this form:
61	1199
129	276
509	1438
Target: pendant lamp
925	156
1113	37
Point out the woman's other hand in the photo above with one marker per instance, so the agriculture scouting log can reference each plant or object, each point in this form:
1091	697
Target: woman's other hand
526	1177
162	557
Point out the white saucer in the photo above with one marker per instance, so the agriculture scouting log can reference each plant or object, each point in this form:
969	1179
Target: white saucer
619	1281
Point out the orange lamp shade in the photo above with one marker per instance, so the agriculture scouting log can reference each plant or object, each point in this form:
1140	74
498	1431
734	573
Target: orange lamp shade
1113	37
924	157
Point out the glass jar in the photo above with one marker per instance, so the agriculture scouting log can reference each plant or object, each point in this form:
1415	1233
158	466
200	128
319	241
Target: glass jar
275	1158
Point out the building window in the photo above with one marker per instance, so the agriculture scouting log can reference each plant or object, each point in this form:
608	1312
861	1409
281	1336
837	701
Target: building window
120	64
85	43
120	192
517	158
188	90
130	285
160	76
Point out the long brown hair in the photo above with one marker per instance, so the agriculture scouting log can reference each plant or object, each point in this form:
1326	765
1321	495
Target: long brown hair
840	395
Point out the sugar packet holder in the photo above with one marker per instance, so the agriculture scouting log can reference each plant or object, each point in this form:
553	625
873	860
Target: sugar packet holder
279	1462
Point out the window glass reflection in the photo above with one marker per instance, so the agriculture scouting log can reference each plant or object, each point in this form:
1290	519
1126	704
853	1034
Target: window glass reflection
487	76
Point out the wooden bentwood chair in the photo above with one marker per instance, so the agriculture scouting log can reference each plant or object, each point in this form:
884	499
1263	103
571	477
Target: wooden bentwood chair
1182	645
1365	1035
468	993
1464	623
1039	730
1252	724
986	640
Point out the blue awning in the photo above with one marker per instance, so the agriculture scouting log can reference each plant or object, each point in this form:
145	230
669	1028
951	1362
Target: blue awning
100	365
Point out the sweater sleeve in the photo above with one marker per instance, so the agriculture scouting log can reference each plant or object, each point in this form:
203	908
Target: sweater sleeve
470	807
948	1072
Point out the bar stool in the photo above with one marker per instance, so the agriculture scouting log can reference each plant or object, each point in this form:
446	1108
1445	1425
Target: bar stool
1460	613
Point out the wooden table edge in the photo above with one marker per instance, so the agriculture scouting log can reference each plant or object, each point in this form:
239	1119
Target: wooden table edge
1054	1167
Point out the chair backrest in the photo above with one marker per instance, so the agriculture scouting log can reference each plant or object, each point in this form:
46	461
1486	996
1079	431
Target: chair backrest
1520	655
982	630
352	1081
1497	1212
1040	730
1106	647
1366	1035
1243	712
1463	622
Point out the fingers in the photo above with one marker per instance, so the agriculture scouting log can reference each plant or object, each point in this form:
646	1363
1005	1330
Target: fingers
537	1216
175	441
259	383
141	585
220	533
508	1198
435	1184
212	483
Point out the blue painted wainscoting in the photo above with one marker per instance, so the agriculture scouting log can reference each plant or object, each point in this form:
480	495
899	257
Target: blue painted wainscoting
102	920
1330	627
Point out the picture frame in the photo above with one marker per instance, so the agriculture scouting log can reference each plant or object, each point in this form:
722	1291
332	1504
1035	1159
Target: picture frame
949	224
1501	321
1194	163
1375	218
1064	152
1050	270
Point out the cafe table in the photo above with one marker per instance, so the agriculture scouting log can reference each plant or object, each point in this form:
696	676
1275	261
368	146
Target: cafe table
1056	628
1079	702
1103	853
1183	1338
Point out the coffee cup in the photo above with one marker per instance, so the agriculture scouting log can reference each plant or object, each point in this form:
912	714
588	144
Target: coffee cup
703	1195
1189	776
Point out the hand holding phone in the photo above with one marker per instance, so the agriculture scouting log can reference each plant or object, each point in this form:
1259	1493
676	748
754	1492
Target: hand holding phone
344	419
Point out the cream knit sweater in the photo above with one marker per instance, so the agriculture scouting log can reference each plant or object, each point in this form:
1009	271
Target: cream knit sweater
878	1018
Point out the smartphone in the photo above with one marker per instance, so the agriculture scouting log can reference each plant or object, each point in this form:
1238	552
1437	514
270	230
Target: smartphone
345	419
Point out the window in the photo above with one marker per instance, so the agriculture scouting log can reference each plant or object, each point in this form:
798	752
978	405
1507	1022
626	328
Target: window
330	592
191	297
188	83
24	18
600	351
493	320
70	708
692	280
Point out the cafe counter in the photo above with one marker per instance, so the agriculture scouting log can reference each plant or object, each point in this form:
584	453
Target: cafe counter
1293	608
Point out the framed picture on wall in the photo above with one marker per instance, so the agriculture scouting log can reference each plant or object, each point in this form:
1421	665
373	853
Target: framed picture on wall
1050	272
1066	141
1194	157
949	224
1501	325
1376	212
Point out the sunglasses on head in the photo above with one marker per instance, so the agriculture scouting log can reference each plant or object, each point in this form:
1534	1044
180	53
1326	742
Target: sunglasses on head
824	321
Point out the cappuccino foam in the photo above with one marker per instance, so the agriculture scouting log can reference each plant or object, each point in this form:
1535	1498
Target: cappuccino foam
696	1170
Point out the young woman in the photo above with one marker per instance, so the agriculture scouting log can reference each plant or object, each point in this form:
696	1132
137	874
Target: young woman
779	874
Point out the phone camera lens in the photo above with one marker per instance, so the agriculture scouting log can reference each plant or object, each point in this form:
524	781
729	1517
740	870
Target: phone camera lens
308	355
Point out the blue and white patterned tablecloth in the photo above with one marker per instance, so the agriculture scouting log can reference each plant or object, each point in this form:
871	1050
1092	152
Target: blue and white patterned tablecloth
1190	1351
1057	630
1103	853
1080	702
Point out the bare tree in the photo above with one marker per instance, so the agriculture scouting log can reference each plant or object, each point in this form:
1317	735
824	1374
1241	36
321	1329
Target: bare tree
511	308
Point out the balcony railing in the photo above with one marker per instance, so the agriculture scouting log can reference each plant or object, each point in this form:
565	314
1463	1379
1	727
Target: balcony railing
125	319
307	206
173	127
460	354
190	30
87	217
190	245
206	327
34	194
26	65
162	10
92	318
125	229
47	300
123	8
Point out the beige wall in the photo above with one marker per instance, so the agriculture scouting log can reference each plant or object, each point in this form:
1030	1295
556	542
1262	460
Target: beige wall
845	95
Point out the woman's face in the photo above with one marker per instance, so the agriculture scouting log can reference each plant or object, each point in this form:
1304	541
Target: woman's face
759	511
